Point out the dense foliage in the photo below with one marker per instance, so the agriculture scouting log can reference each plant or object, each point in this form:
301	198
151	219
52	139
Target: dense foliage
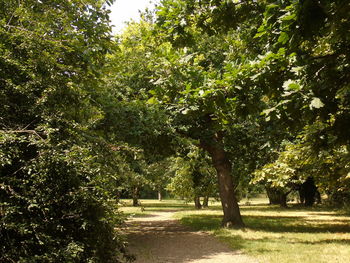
55	171
314	97
281	67
194	177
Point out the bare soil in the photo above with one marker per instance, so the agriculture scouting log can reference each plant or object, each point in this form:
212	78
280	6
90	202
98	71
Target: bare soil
158	238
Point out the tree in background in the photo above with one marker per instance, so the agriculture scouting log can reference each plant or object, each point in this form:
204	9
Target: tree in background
159	175
300	168
306	42
193	178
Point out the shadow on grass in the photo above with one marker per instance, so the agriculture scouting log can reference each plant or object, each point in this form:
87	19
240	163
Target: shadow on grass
167	209
327	241
273	232
280	224
276	224
202	222
290	231
292	208
235	241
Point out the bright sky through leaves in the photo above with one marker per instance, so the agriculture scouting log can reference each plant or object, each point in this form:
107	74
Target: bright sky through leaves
125	10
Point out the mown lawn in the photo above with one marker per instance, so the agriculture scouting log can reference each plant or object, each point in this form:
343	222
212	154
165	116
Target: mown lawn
277	235
149	205
272	234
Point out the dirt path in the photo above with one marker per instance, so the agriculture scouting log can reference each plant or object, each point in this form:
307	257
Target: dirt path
158	238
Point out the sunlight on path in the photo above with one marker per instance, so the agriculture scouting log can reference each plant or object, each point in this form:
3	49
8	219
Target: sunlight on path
158	238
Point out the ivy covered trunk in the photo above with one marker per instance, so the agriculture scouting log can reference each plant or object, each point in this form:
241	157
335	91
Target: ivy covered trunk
232	215
308	192
283	201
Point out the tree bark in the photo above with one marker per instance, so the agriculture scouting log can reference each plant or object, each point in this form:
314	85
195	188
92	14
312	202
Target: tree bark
232	215
135	196
160	195
277	197
206	201
273	195
197	202
283	201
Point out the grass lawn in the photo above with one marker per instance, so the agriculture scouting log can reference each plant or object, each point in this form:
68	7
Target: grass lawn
151	205
273	234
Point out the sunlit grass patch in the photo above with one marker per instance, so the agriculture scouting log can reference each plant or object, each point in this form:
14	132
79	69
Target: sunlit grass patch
286	247
147	206
277	235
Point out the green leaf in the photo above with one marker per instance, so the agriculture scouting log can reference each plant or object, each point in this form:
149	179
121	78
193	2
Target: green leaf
152	100
283	38
260	34
288	17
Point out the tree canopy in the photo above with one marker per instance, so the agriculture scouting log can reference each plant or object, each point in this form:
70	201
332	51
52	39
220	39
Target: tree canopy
261	88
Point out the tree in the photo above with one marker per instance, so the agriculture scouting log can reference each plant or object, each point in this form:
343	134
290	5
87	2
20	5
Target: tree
55	170
159	175
300	168
282	176
193	178
127	116
187	71
209	66
314	58
188	82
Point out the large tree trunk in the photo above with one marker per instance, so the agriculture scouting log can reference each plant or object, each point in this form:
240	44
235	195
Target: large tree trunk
197	202
232	215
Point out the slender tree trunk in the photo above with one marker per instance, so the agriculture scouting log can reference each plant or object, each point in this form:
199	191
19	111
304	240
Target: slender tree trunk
135	196
206	201
232	215
160	195
197	202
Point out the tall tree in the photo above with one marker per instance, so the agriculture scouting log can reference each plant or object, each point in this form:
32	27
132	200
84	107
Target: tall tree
198	39
182	60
